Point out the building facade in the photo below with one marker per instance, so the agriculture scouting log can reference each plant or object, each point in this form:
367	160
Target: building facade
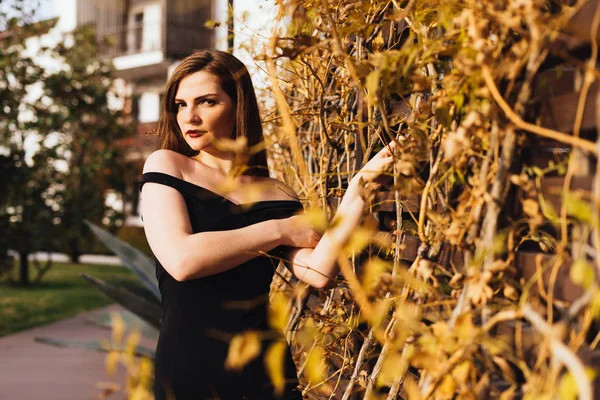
146	39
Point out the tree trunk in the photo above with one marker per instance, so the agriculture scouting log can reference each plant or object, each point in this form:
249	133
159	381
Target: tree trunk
75	252
24	268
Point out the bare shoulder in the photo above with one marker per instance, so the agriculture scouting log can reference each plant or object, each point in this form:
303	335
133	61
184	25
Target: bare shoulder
167	162
280	190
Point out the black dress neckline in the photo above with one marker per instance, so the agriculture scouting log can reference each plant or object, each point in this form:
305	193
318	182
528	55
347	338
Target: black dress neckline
147	176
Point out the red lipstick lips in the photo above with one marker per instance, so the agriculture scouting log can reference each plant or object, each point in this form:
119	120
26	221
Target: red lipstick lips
194	133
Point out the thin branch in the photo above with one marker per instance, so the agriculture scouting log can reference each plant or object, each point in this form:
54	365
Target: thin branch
562	353
526	126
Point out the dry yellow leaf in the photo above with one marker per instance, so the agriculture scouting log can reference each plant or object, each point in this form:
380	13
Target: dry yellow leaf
275	366
396	14
531	207
567	388
440	330
464	328
237	145
139	393
118	327
428	361
582	273
372	269
316	219
278	311
412	389
132	341
372	86
307	334
508	394
146	372
254	192
359	239
315	370
446	389
243	348
378	41
390	369
380	311
112	358
461	372
595	305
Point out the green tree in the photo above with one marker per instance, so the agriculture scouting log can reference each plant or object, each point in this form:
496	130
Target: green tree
90	130
27	209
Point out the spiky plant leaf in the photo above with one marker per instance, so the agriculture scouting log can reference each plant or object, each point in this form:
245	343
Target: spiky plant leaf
103	347
138	262
104	320
135	288
149	312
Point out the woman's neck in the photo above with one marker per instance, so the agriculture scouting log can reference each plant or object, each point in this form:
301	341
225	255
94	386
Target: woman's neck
221	162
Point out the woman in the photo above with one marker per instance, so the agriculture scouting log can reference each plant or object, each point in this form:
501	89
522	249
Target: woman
207	243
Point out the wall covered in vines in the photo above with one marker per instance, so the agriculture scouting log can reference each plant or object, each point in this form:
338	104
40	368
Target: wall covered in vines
474	271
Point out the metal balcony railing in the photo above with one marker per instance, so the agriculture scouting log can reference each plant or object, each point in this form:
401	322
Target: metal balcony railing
174	39
131	39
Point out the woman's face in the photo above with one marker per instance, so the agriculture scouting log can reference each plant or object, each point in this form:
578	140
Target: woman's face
205	113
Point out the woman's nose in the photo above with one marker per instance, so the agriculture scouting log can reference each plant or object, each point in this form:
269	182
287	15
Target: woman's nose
192	116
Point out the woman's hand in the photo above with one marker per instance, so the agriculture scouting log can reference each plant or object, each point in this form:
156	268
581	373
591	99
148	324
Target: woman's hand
376	171
296	233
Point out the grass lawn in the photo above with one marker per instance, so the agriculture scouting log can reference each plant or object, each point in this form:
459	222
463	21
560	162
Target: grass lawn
61	293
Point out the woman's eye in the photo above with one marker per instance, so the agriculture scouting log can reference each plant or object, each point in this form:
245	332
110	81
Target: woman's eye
179	105
209	102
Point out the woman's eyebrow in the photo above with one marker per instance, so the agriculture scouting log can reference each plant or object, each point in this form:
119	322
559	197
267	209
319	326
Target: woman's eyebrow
200	97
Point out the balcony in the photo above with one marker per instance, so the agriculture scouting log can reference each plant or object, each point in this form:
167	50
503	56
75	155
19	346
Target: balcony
143	37
136	50
148	48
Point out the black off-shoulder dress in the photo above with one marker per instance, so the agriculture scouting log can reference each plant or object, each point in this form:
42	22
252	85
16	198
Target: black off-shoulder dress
201	315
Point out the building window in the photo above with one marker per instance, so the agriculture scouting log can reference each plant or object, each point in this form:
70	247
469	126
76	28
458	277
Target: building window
138	29
135	106
149	107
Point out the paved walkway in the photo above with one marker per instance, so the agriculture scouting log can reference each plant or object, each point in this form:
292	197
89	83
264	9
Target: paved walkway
36	371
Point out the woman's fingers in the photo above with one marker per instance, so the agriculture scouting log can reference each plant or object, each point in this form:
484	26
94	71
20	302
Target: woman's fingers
387	150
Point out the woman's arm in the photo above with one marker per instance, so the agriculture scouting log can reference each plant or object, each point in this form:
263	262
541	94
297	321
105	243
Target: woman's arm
186	255
318	267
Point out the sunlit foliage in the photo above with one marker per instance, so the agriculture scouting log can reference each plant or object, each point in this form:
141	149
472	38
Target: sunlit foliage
454	82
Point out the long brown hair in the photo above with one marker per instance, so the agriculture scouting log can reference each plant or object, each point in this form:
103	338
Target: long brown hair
235	81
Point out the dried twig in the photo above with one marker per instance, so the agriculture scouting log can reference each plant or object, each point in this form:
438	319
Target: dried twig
526	126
